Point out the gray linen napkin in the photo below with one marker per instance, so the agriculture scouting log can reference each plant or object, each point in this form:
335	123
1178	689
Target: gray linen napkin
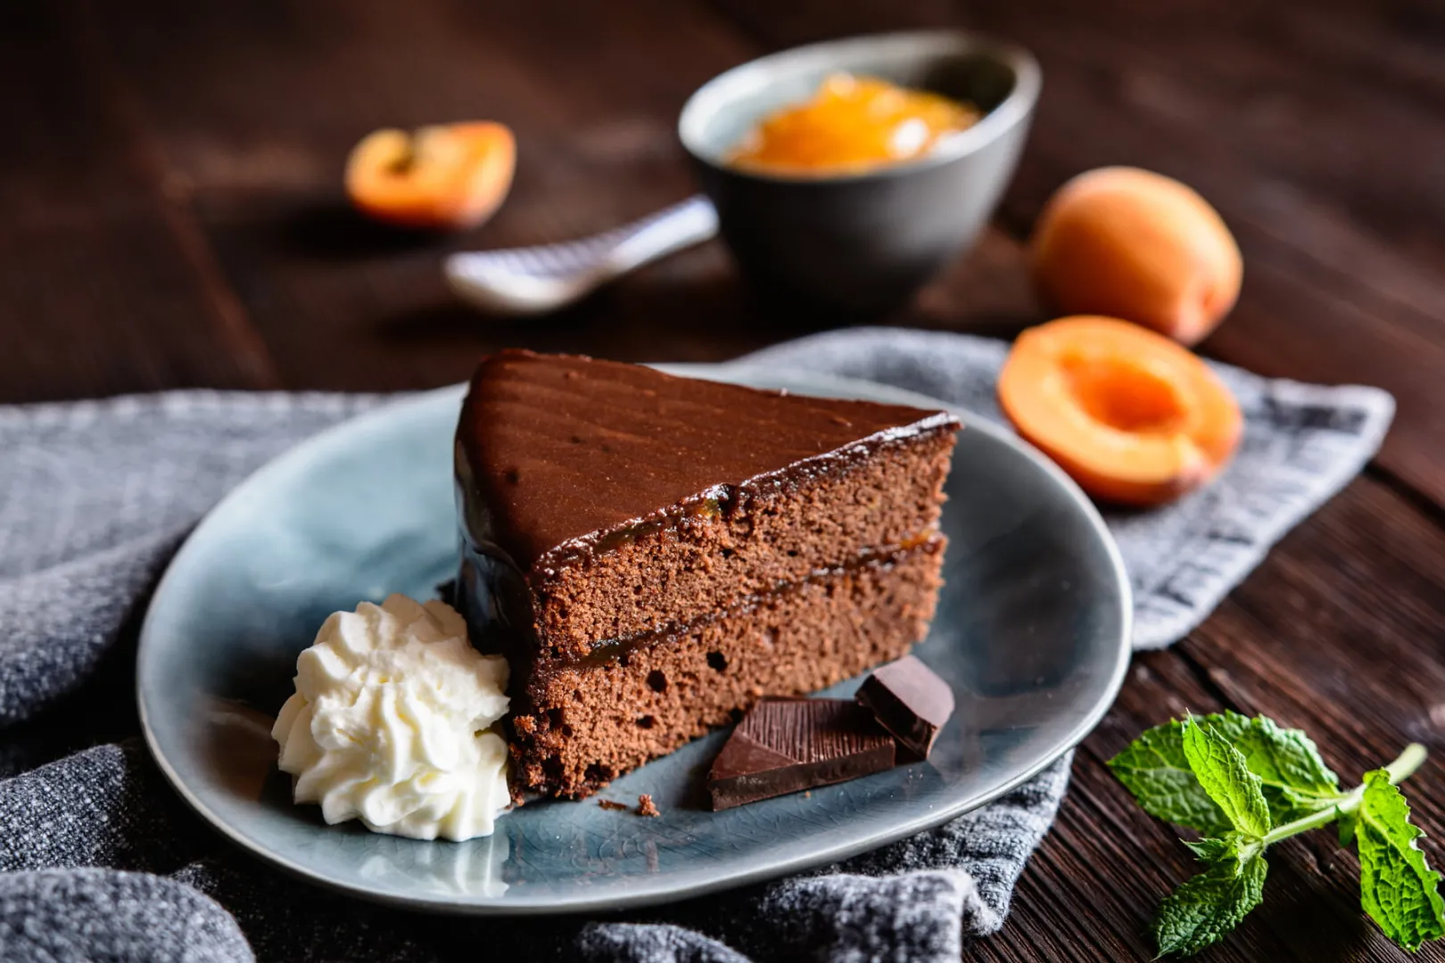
100	860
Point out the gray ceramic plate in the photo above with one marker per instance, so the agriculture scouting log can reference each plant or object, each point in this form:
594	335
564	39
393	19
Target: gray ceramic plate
1031	631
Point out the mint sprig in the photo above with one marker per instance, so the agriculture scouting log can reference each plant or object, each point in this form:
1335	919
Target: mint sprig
1246	784
1293	777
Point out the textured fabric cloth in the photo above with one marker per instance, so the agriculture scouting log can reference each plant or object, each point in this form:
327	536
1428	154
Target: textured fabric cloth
99	860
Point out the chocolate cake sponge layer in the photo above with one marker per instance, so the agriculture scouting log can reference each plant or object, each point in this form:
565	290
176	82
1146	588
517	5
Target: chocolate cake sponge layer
578	727
748	540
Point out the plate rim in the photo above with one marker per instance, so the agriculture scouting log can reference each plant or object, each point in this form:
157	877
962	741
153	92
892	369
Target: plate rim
733	372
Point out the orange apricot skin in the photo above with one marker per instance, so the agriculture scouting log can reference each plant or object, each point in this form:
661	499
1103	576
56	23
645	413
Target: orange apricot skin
449	177
1132	244
1106	462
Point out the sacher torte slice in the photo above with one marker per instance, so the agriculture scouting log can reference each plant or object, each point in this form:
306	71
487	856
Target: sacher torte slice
653	554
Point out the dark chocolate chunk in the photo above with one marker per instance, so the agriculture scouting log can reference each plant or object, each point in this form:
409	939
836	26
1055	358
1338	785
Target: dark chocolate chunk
910	701
787	745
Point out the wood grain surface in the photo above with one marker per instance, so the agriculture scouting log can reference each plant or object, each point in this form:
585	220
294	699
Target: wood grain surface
172	187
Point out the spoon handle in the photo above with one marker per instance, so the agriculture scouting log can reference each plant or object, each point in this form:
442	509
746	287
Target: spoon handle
669	230
529	280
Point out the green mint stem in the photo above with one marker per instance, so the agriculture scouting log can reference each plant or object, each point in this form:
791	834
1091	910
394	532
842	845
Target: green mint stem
1347	803
1402	768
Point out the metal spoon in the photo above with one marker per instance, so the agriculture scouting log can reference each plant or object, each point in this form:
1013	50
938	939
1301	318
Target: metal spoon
531	280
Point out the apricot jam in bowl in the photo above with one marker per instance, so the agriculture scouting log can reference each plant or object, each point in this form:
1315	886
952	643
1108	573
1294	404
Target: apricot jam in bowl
850	126
846	174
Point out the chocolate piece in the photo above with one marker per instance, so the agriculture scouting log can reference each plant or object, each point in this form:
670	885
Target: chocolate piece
646	807
910	701
652	553
786	745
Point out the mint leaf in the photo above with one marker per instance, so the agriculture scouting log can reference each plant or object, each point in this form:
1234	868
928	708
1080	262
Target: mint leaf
1295	780
1208	849
1397	888
1286	758
1221	770
1153	768
1208	906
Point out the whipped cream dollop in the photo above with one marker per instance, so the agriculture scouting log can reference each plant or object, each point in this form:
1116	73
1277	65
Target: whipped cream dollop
390	723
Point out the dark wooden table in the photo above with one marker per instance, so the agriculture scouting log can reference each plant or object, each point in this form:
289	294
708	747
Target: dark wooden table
173	218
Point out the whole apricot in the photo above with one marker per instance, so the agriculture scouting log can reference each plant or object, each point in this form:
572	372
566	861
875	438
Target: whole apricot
1130	415
446	177
1132	244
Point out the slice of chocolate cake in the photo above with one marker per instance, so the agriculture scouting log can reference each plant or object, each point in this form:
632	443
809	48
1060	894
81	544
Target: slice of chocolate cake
653	554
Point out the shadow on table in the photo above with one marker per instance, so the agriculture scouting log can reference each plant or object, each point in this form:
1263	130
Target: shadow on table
692	308
644	317
331	229
1295	902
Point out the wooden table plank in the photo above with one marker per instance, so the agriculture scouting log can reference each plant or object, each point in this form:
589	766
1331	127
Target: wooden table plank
347	305
101	293
1341	633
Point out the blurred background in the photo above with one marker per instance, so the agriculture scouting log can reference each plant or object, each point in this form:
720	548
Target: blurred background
175	213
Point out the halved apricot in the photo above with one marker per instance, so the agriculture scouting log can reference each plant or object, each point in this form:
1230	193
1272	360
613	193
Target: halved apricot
1130	415
450	177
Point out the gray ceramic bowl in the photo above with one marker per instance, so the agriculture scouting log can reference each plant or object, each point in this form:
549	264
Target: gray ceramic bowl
864	242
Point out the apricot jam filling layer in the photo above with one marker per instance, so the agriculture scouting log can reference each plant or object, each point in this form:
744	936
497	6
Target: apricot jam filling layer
608	651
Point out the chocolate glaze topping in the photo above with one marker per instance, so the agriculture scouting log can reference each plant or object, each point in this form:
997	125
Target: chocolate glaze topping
557	454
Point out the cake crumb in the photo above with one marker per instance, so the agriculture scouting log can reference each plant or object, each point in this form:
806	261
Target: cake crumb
646	807
609	804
